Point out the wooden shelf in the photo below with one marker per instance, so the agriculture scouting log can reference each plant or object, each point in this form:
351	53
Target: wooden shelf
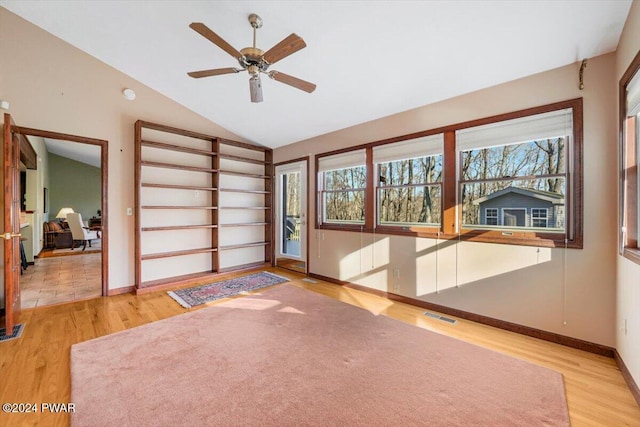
244	245
179	227
145	257
178	187
172	147
245	224
241	159
237	190
246	207
179	207
246	175
174	166
208	154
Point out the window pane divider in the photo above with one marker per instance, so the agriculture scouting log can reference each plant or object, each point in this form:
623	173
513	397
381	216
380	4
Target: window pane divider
514	178
426	184
346	190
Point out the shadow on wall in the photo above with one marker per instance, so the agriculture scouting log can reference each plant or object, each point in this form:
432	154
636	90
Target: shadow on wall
463	274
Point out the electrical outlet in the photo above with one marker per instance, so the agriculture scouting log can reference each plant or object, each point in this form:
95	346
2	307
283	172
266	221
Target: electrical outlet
396	287
129	211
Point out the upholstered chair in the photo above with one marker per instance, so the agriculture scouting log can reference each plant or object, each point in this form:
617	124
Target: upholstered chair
79	231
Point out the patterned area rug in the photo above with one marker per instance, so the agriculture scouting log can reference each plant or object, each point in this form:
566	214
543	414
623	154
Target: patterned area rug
213	291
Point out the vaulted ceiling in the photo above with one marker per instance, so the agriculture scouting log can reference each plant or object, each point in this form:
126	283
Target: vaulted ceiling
369	59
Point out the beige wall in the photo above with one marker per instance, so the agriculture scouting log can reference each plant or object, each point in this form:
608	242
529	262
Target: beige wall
36	181
570	292
628	284
74	184
54	86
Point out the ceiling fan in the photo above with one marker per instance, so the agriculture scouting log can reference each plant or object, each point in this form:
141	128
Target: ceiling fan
254	60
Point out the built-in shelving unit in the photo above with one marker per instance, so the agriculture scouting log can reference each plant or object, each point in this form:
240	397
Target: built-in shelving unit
203	205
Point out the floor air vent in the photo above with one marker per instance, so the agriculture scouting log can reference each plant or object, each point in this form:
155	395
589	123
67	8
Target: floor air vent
437	316
309	280
16	333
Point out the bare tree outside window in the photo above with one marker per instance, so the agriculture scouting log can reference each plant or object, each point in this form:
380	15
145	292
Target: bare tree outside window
536	166
409	191
343	195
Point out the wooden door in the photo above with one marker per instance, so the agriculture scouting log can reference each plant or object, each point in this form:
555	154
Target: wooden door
11	235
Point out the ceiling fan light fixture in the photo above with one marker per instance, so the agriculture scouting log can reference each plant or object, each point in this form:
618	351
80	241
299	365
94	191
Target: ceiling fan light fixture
255	87
255	60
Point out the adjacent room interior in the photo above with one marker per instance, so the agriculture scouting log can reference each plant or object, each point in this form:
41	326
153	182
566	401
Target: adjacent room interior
479	191
68	181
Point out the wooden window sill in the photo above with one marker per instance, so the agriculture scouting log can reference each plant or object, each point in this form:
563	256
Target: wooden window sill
632	254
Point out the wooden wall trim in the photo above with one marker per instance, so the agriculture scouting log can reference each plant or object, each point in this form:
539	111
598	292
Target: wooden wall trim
120	291
626	374
104	183
628	172
572	238
485	320
57	135
28	155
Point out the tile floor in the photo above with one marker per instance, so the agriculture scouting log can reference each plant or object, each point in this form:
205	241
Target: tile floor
61	279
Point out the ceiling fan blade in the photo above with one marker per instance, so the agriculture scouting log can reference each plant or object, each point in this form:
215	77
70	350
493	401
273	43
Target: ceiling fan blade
214	72
286	47
208	34
292	81
255	87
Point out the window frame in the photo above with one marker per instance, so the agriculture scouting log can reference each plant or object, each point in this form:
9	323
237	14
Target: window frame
320	207
546	217
451	208
389	227
496	216
324	192
629	200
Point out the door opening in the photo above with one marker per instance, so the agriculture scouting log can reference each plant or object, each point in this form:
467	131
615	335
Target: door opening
291	215
93	154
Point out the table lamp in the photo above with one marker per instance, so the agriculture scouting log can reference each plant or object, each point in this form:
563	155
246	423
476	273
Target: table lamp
62	214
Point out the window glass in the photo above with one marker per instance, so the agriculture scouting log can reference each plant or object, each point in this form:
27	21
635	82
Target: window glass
343	195
630	147
515	178
409	191
539	217
491	216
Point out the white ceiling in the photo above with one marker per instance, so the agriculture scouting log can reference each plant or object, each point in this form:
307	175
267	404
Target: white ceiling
370	59
84	153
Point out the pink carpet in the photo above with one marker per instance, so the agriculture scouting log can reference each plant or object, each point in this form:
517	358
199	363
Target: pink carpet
290	357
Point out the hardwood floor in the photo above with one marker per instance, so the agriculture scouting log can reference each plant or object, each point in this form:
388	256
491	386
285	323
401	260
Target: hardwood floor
35	368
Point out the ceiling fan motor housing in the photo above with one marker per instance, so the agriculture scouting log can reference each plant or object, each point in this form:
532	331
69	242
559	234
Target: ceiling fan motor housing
253	56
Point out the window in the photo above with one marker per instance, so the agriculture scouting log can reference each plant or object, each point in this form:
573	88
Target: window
539	217
409	182
514	217
491	216
342	188
630	161
515	163
514	178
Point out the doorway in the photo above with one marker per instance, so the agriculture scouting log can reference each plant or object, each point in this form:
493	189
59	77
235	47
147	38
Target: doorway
291	215
92	265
